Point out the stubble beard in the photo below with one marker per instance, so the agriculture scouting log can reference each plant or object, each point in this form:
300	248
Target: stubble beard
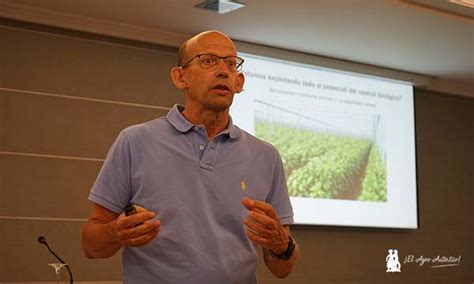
219	104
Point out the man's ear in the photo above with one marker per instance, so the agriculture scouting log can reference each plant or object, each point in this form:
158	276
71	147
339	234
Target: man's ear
239	82
177	78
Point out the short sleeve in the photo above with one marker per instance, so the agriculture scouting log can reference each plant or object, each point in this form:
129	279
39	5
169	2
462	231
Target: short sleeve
278	196
112	188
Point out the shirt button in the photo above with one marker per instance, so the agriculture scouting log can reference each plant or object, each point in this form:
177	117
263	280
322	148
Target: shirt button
196	128
201	147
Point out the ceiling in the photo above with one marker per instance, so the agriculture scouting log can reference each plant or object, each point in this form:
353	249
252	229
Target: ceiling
403	35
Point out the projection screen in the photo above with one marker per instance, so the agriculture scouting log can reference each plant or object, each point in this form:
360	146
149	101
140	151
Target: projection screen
347	141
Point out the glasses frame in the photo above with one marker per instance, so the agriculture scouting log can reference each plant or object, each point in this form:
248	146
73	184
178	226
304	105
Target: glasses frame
237	68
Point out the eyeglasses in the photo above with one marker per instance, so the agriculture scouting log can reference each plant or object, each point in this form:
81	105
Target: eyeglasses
208	61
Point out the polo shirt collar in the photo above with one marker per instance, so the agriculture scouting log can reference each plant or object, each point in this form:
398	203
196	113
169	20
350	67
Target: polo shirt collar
176	119
233	130
181	124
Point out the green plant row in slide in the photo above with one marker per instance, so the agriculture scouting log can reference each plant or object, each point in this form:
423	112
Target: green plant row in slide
374	186
321	165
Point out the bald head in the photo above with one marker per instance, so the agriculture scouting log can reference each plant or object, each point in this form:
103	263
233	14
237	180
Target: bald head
192	46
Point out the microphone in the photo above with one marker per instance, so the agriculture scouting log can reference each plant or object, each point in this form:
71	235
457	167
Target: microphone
42	240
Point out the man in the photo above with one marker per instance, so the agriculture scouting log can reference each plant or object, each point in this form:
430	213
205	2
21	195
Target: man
207	194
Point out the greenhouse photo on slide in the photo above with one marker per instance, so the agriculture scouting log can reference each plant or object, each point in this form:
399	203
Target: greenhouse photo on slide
327	154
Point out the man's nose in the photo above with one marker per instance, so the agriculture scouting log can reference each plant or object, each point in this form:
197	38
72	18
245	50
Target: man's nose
221	68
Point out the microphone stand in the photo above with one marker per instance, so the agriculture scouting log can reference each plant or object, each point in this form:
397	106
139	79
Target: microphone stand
42	240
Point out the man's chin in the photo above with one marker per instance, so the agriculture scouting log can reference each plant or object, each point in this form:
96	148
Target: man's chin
220	104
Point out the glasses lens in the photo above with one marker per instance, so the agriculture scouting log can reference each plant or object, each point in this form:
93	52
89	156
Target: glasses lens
208	60
233	63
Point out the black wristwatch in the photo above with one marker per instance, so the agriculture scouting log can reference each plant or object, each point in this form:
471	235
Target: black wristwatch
289	251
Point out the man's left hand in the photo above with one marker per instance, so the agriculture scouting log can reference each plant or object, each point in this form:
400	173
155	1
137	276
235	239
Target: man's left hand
263	226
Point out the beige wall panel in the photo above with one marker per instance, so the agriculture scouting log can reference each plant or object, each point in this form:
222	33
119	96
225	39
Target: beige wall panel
352	255
445	163
445	208
76	282
445	182
444	117
77	67
59	126
4	104
46	187
24	259
52	187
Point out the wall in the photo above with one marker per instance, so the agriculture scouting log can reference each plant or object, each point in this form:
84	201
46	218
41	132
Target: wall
63	100
64	96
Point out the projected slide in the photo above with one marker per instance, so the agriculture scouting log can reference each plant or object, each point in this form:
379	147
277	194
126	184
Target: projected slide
346	141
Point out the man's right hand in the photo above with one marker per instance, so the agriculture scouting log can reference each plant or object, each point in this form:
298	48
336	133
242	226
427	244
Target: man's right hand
106	232
138	229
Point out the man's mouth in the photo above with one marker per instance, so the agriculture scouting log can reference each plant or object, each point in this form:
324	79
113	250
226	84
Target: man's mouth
221	87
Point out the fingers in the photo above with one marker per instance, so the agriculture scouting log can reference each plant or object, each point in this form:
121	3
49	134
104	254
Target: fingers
257	205
261	212
263	226
257	239
136	237
142	229
247	203
137	229
140	209
269	239
135	219
259	229
262	220
265	207
142	240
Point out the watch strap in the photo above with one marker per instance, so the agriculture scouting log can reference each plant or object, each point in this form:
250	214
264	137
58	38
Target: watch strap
289	250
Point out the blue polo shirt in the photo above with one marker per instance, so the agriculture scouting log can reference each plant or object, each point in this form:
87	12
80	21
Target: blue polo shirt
195	187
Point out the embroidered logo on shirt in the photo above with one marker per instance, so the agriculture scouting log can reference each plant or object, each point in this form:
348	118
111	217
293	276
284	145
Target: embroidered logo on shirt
243	185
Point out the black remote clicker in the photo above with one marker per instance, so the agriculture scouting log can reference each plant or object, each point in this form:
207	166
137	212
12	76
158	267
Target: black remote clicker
129	210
